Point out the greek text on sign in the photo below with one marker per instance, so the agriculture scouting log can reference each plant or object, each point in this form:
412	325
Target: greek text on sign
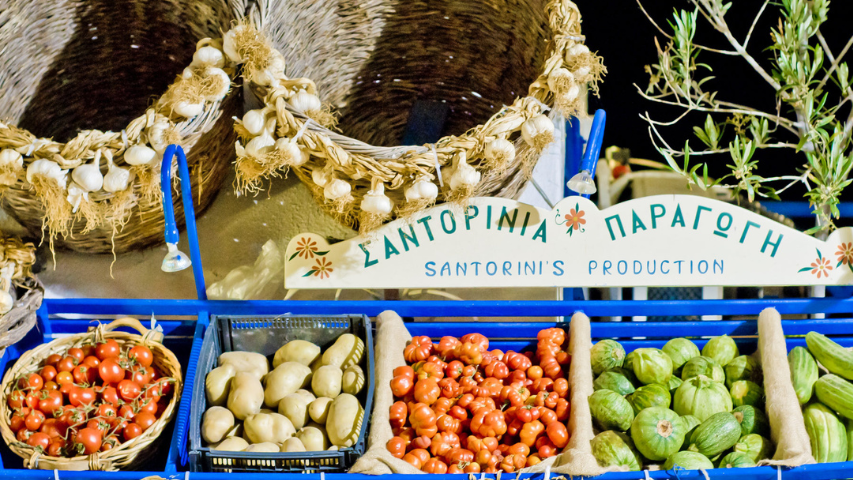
667	240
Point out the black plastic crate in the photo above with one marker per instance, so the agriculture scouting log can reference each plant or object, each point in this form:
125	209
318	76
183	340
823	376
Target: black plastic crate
265	335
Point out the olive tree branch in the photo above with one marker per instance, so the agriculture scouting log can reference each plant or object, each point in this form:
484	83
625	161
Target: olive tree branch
663	32
834	65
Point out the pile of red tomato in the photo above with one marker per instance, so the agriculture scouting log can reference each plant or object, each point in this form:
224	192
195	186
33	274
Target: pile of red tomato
92	398
466	409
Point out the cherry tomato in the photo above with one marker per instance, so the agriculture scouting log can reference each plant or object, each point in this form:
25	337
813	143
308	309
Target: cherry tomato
144	420
119	426
107	410
126	412
110	395
73	417
108	349
81	396
148	405
142	355
23	435
48	373
153	392
54	428
34	420
16	399
101	425
39	440
128	390
51	402
66	388
67	364
91	361
88	441
84	374
52	360
51	386
110	443
32	399
64	378
32	381
77	353
17	421
155	374
131	431
55	448
164	386
88	350
110	371
139	375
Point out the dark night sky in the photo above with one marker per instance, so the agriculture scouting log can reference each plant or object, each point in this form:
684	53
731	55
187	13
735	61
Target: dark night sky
620	32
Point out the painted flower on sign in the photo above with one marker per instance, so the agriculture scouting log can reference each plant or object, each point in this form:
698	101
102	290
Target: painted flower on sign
322	268
845	255
819	267
573	220
307	249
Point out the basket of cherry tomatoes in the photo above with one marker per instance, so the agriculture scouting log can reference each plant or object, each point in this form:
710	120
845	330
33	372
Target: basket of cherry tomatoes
463	408
91	401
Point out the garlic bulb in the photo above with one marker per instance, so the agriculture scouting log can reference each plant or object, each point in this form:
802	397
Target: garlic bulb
538	131
269	75
581	73
48	169
292	153
187	73
500	151
336	189
88	176
188	109
224	83
305	102
11	159
116	179
139	155
560	79
578	49
318	175
229	44
76	194
157	135
376	202
422	190
464	176
254	120
208	55
6	302
260	145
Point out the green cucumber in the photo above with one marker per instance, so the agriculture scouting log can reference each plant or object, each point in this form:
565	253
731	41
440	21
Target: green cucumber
836	393
827	434
832	356
803	373
715	435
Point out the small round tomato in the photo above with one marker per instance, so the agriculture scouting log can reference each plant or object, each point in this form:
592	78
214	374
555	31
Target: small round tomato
101	425
108	349
110	371
34	420
148	405
33	398
91	361
153	392
131	431
77	353
54	428
17	421
55	448
139	375
64	378
144	420
16	399
397	447
32	381
126	412
88	441
51	402
67	364
142	355
154	373
110	443
88	350
110	395
39	440
51	386
52	360
164	386
81	396
107	410
48	373
84	374
23	435
73	416
128	390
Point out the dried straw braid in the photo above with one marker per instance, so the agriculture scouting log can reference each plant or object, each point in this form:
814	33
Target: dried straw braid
127	455
124	213
16	261
495	158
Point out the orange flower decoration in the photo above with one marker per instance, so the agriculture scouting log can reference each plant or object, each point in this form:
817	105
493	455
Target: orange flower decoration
845	254
821	267
306	248
575	218
323	268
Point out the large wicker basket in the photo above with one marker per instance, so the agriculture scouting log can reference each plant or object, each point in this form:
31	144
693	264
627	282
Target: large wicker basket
15	324
497	64
127	455
80	76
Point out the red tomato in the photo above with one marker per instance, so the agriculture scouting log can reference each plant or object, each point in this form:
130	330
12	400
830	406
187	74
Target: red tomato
32	381
155	374
73	417
32	399
84	374
51	402
77	353
126	412
55	448
139	375
64	378
51	386
48	373
81	396
130	432
144	420
23	435
101	425
34	420
108	349
67	364
110	443
54	428
128	390
164	386
88	440
111	371
88	350
91	361
17	421
110	395
148	405
142	355
16	399
53	359
39	440
153	392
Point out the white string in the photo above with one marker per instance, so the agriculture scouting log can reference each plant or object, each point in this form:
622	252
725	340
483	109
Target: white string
778	472
187	475
124	138
577	38
544	107
705	473
302	130
437	165
548	472
322	476
646	474
55	474
482	475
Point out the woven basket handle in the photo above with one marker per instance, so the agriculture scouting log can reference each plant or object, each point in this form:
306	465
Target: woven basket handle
147	335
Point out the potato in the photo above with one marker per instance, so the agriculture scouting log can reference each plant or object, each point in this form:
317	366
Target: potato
246	396
268	447
353	380
308	395
216	423
251	362
292	444
295	408
314	439
346	351
343	423
287	378
299	351
218	384
232	444
327	381
319	409
268	427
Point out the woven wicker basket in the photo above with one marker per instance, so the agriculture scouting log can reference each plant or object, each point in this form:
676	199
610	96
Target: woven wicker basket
68	68
127	455
15	324
497	64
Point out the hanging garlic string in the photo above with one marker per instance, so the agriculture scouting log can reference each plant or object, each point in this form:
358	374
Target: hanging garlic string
375	202
6	300
117	178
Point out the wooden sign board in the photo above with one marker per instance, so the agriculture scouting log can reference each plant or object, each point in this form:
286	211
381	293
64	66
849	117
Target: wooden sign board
668	240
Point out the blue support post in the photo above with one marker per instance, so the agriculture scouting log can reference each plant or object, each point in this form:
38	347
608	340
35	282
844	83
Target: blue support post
574	152
593	146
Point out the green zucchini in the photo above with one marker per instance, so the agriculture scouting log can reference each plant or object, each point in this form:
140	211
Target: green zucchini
827	434
610	410
703	366
715	435
752	420
614	380
803	373
746	392
736	460
755	446
651	395
743	367
688	461
832	356
836	393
